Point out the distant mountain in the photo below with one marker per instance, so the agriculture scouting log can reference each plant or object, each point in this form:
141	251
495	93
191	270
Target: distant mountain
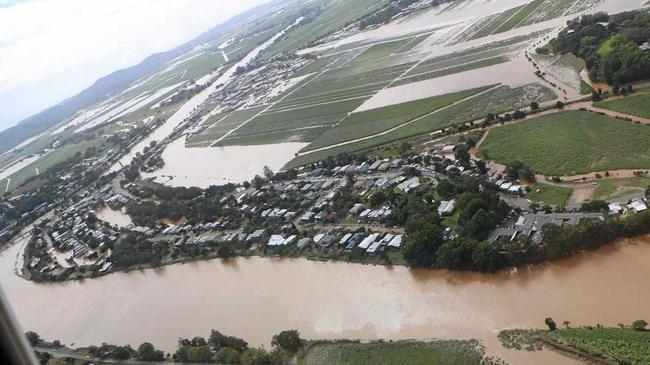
112	84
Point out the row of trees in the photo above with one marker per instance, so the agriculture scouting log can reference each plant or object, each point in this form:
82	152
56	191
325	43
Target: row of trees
218	348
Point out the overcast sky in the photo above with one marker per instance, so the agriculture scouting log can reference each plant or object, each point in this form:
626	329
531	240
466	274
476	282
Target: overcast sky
52	49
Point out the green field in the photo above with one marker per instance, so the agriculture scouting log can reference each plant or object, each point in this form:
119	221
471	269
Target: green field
621	345
381	50
519	17
393	353
335	14
616	188
638	105
414	42
498	100
550	194
374	121
497	22
552	9
471	55
313	107
571	142
47	161
606	47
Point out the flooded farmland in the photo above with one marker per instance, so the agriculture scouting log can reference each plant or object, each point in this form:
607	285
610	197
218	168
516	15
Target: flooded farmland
256	298
203	167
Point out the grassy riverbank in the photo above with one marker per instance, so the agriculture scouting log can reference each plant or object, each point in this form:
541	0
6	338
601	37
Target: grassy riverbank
394	353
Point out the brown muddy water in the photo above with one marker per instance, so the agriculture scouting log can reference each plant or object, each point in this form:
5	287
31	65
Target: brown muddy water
255	298
207	166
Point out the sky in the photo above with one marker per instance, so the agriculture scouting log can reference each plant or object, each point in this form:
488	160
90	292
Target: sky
52	49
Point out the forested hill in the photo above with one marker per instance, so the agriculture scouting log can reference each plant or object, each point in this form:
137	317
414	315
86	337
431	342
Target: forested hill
610	45
111	84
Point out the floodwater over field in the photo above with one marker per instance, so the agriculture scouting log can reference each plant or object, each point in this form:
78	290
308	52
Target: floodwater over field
17	166
114	217
255	298
207	166
186	109
514	73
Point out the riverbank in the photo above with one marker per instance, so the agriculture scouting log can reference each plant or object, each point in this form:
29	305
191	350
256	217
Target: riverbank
334	300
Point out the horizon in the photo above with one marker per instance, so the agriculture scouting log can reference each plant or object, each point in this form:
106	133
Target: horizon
85	48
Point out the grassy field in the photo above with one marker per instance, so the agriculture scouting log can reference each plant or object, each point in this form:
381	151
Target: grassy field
381	50
497	22
317	105
47	161
549	194
638	105
519	17
621	345
616	188
392	353
606	47
370	122
552	9
498	100
467	56
335	15
571	142
414	42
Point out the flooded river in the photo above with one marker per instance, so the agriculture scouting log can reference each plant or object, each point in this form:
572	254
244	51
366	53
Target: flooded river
255	298
207	166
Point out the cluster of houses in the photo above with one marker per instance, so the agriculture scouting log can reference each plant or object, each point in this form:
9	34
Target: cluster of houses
634	206
72	232
530	224
258	85
509	187
371	243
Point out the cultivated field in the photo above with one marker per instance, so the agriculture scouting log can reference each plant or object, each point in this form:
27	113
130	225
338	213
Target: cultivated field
621	345
496	100
370	122
638	105
571	142
388	353
45	162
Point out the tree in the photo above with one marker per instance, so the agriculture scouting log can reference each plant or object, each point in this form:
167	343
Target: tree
122	352
559	105
33	338
445	188
199	354
268	173
462	155
566	324
147	352
639	325
421	245
534	105
550	323
377	199
256	356
226	355
218	340
287	340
